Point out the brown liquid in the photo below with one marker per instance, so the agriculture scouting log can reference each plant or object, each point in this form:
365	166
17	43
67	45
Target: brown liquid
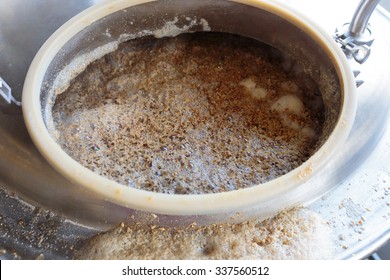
198	113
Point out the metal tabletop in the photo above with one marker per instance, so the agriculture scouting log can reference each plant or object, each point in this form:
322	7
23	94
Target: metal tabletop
31	226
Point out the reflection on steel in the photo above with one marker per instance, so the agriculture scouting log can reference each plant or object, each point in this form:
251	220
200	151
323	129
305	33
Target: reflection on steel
361	17
6	93
361	182
356	38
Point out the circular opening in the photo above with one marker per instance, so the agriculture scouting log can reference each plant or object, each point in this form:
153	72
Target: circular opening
102	26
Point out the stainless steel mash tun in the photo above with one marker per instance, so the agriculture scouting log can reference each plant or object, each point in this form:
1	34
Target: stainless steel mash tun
354	39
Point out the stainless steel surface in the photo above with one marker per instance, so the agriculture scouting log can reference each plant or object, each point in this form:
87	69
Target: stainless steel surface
356	37
260	201
361	182
6	93
357	47
29	232
361	17
25	26
384	251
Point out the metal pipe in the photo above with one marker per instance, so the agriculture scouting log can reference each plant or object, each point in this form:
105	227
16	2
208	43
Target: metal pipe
362	15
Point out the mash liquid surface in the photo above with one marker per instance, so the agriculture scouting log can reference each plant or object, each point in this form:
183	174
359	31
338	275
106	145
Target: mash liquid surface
197	113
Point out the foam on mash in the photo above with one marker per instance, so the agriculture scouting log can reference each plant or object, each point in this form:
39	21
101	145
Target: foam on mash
297	234
255	91
289	103
80	63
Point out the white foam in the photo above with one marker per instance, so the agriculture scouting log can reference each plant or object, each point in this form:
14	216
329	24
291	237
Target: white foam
259	93
256	91
248	83
292	104
309	132
70	71
170	29
80	63
289	102
298	234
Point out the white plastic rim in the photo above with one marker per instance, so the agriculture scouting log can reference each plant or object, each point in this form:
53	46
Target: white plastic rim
175	204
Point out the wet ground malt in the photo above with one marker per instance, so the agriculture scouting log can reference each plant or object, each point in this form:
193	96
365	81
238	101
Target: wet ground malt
197	113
